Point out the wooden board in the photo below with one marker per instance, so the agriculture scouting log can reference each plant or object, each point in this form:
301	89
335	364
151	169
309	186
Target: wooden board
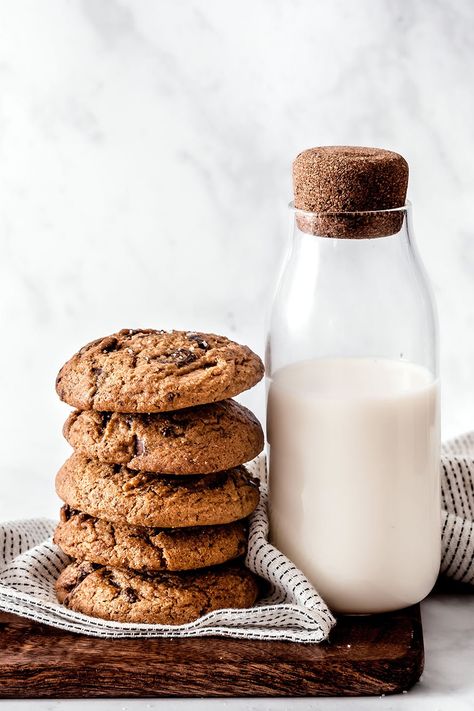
375	655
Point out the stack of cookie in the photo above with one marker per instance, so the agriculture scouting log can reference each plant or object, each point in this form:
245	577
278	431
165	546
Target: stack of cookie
156	497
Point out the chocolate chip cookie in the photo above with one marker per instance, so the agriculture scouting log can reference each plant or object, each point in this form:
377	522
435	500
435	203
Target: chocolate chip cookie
85	537
117	494
159	598
156	371
198	440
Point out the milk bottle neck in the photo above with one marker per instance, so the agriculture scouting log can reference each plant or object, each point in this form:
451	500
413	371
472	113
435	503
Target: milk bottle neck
353	285
368	237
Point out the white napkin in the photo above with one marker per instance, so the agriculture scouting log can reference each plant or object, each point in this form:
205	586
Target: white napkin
292	610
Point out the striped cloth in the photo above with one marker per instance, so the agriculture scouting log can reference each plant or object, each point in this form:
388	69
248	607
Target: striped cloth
291	611
457	497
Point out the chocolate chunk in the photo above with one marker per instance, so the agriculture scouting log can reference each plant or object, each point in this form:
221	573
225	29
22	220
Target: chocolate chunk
90	345
199	340
183	357
82	572
130	594
65	513
110	344
139	446
109	576
168	431
105	417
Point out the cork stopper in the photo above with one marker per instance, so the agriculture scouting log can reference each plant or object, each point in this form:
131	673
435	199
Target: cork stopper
333	180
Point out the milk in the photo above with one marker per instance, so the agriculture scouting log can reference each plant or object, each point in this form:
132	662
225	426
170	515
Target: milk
354	479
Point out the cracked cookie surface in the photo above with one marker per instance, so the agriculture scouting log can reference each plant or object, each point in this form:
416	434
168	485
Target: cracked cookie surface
156	371
85	537
115	493
159	598
199	440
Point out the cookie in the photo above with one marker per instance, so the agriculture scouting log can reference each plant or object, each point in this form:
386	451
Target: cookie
87	538
117	494
156	371
158	598
198	440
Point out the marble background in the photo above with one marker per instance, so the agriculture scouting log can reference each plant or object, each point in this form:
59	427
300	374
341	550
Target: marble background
145	153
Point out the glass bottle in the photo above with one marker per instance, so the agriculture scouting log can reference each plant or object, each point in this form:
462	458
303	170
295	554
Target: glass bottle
353	412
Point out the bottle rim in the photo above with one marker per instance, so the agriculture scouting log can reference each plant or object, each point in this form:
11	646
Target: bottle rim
404	208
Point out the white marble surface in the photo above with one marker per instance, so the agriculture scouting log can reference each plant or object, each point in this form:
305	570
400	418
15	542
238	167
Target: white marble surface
145	152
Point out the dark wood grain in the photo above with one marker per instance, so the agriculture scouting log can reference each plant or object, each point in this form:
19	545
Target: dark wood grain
375	655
